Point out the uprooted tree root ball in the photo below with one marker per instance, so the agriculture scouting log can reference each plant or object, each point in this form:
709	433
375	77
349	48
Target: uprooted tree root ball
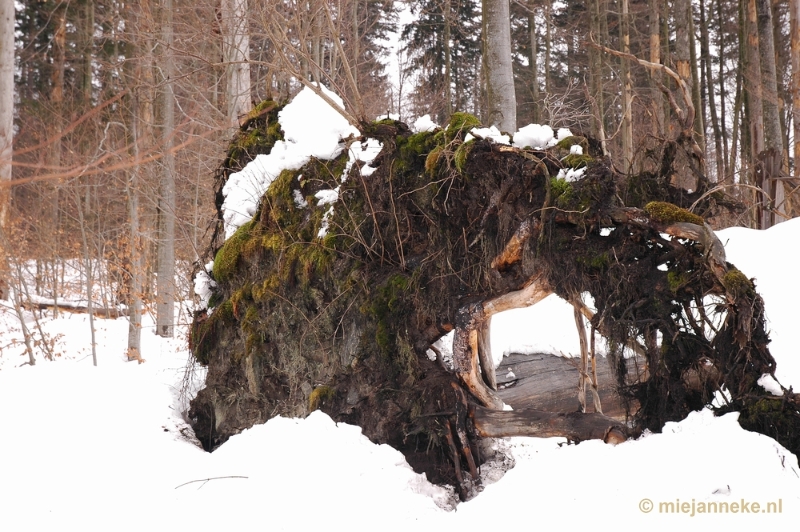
441	236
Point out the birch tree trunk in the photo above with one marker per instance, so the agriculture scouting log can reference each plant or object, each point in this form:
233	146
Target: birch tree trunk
236	53
6	107
501	98
165	308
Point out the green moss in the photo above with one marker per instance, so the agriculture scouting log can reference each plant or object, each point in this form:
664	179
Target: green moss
460	157
568	142
573	160
262	131
460	124
676	280
432	161
386	307
595	262
737	283
667	213
319	395
561	192
228	255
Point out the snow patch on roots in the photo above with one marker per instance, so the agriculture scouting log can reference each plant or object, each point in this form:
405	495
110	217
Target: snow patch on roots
423	124
312	128
204	285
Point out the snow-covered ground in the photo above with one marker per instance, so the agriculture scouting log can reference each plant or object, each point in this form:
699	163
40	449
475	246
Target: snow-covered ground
105	448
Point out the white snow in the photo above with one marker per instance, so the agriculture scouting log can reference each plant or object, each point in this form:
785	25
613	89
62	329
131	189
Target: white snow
770	384
204	285
534	136
327	196
311	128
576	149
571	174
299	201
488	133
423	123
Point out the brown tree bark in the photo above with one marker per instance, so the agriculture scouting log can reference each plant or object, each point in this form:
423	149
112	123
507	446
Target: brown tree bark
659	125
626	130
710	90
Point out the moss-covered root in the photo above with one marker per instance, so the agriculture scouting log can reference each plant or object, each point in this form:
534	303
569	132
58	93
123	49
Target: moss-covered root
667	213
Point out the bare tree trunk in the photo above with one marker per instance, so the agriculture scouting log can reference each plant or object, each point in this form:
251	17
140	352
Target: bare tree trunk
772	122
794	15
548	46
534	62
88	51
625	75
165	314
754	89
87	259
709	86
448	97
6	111
752	80
657	77
700	113
723	106
597	78
236	54
501	98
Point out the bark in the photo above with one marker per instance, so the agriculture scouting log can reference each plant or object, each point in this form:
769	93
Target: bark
87	29
753	86
236	54
165	308
548	45
659	119
539	424
500	95
700	115
773	139
448	97
625	74
794	14
722	96
6	112
533	57
709	88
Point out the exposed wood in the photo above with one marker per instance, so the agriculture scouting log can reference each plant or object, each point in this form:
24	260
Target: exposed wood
544	381
535	291
485	354
573	426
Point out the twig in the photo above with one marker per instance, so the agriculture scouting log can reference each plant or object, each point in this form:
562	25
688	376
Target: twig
205	480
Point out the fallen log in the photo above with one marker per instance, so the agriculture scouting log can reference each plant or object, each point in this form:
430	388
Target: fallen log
575	426
99	312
